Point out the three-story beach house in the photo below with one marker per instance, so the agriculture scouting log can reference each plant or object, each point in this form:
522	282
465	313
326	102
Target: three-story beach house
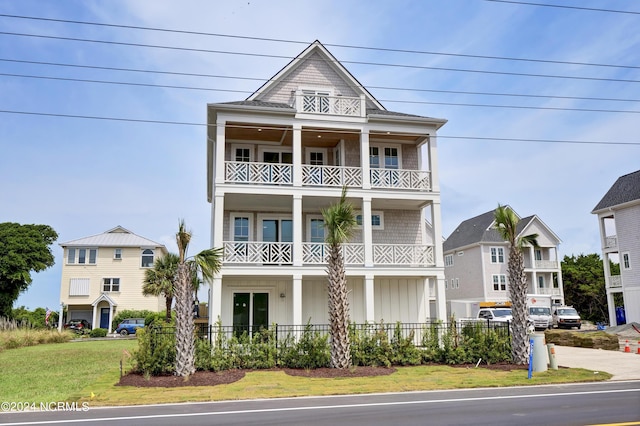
276	159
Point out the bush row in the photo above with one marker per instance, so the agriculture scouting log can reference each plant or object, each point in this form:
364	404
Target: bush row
370	346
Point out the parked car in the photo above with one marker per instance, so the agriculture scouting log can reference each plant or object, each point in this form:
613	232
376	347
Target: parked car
129	326
79	326
566	317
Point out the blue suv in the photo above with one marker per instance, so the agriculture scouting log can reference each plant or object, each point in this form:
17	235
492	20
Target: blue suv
129	326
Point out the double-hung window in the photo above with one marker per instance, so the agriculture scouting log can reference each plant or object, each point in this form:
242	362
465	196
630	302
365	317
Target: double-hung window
499	282
497	255
111	284
82	256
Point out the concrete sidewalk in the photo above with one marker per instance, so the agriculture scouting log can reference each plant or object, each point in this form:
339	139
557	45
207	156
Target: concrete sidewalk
623	366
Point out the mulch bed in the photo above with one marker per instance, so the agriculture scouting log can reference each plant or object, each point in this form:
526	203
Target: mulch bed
211	378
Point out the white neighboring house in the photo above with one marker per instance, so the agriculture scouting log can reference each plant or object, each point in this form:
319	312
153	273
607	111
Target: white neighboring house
283	154
619	219
476	257
104	273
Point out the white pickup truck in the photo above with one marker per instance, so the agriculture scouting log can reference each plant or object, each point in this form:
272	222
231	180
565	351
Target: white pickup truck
495	314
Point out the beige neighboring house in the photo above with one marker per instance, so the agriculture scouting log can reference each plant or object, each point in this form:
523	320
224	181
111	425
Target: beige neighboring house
103	274
476	257
279	157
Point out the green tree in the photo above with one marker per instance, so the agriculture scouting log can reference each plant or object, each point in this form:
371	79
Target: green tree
506	222
584	286
339	220
206	263
160	280
23	249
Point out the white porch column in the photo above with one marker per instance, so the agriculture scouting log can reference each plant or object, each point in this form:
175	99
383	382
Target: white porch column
441	302
433	163
367	231
613	321
534	278
217	220
297	155
369	299
215	300
60	319
109	329
436	219
93	321
364	159
296	302
218	161
297	230
560	283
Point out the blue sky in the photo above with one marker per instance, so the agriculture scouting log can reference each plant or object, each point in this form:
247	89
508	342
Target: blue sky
85	176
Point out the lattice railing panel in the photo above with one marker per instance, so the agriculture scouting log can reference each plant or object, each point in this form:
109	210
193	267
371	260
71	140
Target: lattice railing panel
405	179
241	172
258	252
331	176
403	254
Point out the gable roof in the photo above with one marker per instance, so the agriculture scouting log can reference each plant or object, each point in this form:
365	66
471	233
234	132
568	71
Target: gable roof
626	189
315	48
115	237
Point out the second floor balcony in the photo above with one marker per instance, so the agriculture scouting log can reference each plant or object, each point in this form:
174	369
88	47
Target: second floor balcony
281	253
326	176
615	281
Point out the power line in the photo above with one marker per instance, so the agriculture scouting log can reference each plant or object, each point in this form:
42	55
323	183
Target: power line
345	131
187	74
263	55
164	86
566	7
346	46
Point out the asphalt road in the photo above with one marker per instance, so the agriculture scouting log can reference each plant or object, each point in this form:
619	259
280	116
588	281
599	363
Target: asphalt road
573	404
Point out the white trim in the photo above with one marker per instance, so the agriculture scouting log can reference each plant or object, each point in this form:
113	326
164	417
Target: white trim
235	146
308	150
625	255
373	213
232	218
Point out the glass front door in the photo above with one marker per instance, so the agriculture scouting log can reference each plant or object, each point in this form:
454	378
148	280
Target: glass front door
277	231
250	312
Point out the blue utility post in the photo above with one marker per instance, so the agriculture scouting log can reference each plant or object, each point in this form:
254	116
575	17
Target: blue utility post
530	358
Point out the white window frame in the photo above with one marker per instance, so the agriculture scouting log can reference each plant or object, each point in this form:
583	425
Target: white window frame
310	150
241	146
279	218
111	285
500	282
117	254
540	281
380	213
495	258
142	255
87	255
265	148
309	219
626	261
381	155
448	260
232	218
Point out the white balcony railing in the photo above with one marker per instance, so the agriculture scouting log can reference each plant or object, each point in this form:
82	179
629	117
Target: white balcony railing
547	290
397	178
331	176
243	172
256	252
615	281
317	103
611	241
546	264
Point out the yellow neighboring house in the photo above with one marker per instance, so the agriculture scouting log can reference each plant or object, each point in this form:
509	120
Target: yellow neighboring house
103	274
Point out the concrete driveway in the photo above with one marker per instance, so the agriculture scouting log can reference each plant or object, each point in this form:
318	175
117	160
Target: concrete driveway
623	366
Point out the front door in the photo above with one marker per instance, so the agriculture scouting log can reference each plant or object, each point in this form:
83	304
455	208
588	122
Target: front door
250	312
104	317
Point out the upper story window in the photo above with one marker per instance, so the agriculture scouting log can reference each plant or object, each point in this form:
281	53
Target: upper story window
538	254
497	255
82	256
316	230
499	282
147	258
377	220
626	261
241	228
384	157
111	284
117	253
243	155
448	260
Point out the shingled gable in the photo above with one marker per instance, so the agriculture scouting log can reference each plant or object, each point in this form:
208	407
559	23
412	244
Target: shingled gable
315	60
625	190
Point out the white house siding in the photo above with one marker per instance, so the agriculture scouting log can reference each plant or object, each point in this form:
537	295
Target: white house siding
400	227
628	227
400	299
545	239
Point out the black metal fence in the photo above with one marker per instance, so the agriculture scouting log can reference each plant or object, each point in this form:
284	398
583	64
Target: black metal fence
420	334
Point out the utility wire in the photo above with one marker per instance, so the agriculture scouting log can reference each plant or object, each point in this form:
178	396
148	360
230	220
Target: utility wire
565	7
186	74
263	55
345	131
346	46
123	83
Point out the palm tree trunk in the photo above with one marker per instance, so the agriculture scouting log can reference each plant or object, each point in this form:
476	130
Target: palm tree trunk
185	344
518	290
338	311
168	302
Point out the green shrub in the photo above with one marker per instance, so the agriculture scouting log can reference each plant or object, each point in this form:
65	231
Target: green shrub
311	350
98	332
404	351
370	346
156	353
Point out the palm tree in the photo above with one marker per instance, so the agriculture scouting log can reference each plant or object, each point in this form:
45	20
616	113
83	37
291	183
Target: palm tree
506	222
206	263
160	280
340	220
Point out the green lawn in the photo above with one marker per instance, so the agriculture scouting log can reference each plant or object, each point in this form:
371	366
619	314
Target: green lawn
74	371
